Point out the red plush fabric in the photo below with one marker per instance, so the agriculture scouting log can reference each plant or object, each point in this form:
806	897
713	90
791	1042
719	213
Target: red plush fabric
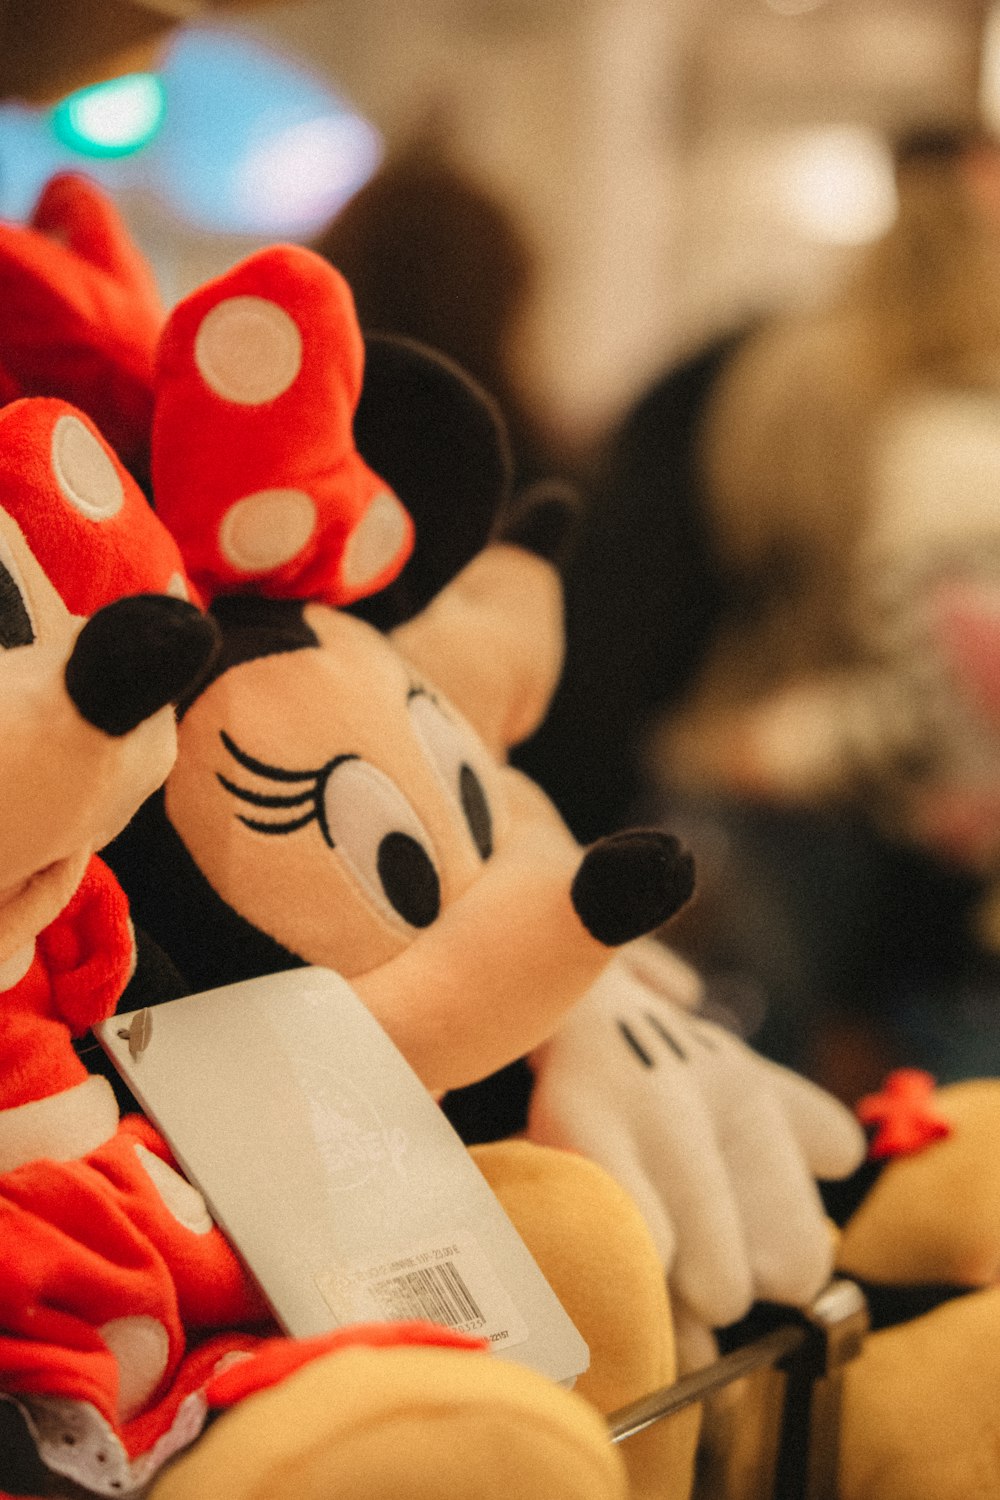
82	964
904	1114
89	950
258	377
195	1371
81	313
87	1241
9	387
94	544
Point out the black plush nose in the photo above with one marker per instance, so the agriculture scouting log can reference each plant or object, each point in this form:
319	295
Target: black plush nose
630	883
135	656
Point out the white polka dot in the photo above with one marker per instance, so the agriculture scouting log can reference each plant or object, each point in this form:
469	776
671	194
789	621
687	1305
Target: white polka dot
177	587
141	1347
248	350
184	1201
375	542
84	471
266	529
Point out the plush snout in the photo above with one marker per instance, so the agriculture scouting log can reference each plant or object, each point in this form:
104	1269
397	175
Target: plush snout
135	656
630	883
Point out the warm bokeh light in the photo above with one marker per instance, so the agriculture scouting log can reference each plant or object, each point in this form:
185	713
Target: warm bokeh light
836	183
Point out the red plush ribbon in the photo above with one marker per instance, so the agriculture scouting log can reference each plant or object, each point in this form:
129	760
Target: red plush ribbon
903	1114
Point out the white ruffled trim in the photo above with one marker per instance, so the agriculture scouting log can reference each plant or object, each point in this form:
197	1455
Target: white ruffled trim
74	1441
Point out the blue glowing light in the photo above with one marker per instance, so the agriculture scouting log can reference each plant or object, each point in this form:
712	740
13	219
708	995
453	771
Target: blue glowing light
244	141
255	143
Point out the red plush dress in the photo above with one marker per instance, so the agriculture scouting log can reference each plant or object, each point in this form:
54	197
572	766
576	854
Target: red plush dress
109	1260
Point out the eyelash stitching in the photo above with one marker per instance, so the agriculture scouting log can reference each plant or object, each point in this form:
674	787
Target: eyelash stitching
313	793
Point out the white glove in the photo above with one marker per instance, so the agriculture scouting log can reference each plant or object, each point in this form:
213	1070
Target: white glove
718	1146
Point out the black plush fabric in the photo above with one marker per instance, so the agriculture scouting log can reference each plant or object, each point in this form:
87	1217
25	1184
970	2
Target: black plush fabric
431	432
21	1470
135	656
543	519
842	1198
888	1307
630	883
171	900
493	1109
15	622
644	596
252	627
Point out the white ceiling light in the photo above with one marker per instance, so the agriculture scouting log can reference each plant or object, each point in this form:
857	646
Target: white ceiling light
299	177
836	184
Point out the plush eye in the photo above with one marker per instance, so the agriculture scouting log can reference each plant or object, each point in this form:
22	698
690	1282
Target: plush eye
376	832
16	628
447	746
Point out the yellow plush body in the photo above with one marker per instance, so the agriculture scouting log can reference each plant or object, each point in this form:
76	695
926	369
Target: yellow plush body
921	1417
407	1424
435	1424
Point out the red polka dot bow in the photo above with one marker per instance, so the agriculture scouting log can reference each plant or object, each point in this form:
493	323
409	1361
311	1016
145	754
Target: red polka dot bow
255	469
85	520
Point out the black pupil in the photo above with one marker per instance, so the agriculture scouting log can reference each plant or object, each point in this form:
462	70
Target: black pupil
409	879
15	624
477	811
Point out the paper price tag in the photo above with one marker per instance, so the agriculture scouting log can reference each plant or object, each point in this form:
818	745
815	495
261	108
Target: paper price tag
332	1170
452	1283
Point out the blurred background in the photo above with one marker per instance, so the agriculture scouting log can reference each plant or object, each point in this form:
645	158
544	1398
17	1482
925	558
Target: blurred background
595	205
675	163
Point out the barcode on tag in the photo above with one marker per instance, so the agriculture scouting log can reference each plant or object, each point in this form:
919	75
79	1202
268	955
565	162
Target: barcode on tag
435	1292
451	1283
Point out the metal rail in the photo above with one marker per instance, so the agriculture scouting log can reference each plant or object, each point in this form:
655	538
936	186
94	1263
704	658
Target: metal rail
811	1350
763	1352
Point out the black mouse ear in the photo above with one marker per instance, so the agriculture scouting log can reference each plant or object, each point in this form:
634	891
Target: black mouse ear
543	518
439	440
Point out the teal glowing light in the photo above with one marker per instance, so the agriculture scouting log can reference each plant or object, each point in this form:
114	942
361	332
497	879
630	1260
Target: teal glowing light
239	140
115	118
